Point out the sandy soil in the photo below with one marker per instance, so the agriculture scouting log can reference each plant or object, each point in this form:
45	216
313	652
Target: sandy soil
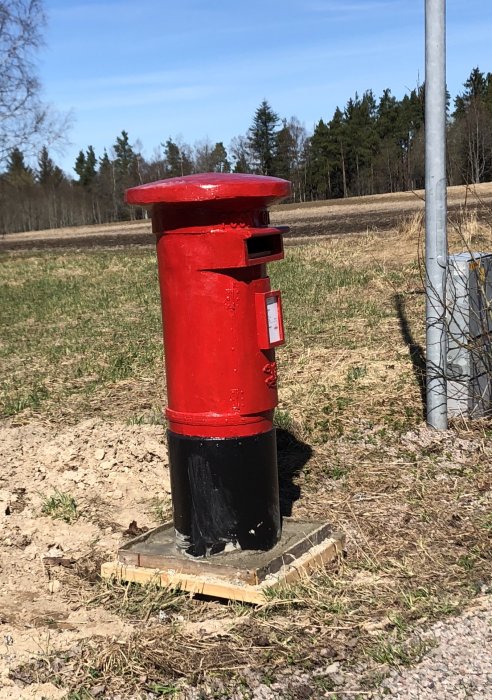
113	471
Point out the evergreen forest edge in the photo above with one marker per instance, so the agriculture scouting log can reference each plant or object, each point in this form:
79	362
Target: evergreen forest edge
371	146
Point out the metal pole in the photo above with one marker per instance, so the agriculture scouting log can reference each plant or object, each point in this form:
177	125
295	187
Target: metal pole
435	212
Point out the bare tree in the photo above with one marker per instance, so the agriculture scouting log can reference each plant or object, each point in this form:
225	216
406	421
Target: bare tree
25	122
241	154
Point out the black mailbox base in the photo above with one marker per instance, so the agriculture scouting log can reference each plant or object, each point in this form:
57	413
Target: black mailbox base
225	493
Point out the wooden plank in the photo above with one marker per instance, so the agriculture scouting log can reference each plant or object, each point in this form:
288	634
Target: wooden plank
202	585
189	566
205	584
292	553
316	558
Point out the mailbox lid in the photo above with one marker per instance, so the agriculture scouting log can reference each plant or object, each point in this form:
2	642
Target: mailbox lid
211	188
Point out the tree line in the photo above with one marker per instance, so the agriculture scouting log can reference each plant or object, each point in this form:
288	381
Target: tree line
370	146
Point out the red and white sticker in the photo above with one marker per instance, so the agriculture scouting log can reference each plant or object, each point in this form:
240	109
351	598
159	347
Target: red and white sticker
273	316
269	321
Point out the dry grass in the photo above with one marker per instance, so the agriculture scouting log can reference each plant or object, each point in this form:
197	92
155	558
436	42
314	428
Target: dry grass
414	504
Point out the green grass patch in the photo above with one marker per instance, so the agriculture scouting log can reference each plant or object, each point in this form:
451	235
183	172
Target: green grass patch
81	331
75	323
318	293
60	506
396	653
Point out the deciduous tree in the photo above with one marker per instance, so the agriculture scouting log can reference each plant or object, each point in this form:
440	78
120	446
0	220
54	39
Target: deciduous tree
473	127
25	122
239	149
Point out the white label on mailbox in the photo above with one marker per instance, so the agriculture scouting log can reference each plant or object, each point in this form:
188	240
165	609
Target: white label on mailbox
273	319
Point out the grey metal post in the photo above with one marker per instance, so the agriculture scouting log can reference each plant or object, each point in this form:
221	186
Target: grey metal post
435	211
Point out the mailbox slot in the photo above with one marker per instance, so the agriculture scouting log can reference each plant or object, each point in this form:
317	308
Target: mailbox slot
264	246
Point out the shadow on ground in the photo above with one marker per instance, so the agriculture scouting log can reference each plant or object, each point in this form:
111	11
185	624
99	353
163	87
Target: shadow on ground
415	350
292	456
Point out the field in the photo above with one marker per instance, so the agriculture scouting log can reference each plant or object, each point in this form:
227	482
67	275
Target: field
84	467
356	215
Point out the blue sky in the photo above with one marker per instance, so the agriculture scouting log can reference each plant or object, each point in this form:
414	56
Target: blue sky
198	69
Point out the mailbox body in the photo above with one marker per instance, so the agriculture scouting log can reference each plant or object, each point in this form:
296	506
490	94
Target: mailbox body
221	323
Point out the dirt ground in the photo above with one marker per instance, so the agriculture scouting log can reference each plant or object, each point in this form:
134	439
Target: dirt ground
118	475
52	610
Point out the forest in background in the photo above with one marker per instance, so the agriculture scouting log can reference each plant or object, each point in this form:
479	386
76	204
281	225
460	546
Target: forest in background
371	146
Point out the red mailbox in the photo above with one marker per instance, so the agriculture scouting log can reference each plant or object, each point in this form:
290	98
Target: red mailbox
221	324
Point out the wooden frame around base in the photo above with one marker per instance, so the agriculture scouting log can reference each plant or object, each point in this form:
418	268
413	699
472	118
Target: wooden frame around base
219	587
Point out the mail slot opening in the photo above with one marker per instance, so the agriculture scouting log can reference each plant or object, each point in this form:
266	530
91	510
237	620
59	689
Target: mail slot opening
264	246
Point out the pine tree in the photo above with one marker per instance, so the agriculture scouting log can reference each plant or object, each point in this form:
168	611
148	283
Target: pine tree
106	200
90	167
361	140
104	163
388	127
262	138
177	158
338	151
21	188
18	173
283	160
411	139
125	160
220	163
478	87
85	167
319	163
50	179
125	175
48	173
80	166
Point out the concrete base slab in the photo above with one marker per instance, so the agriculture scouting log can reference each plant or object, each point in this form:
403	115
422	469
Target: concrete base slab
237	574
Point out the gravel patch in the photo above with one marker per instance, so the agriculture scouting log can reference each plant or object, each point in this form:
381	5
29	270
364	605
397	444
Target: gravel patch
459	667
